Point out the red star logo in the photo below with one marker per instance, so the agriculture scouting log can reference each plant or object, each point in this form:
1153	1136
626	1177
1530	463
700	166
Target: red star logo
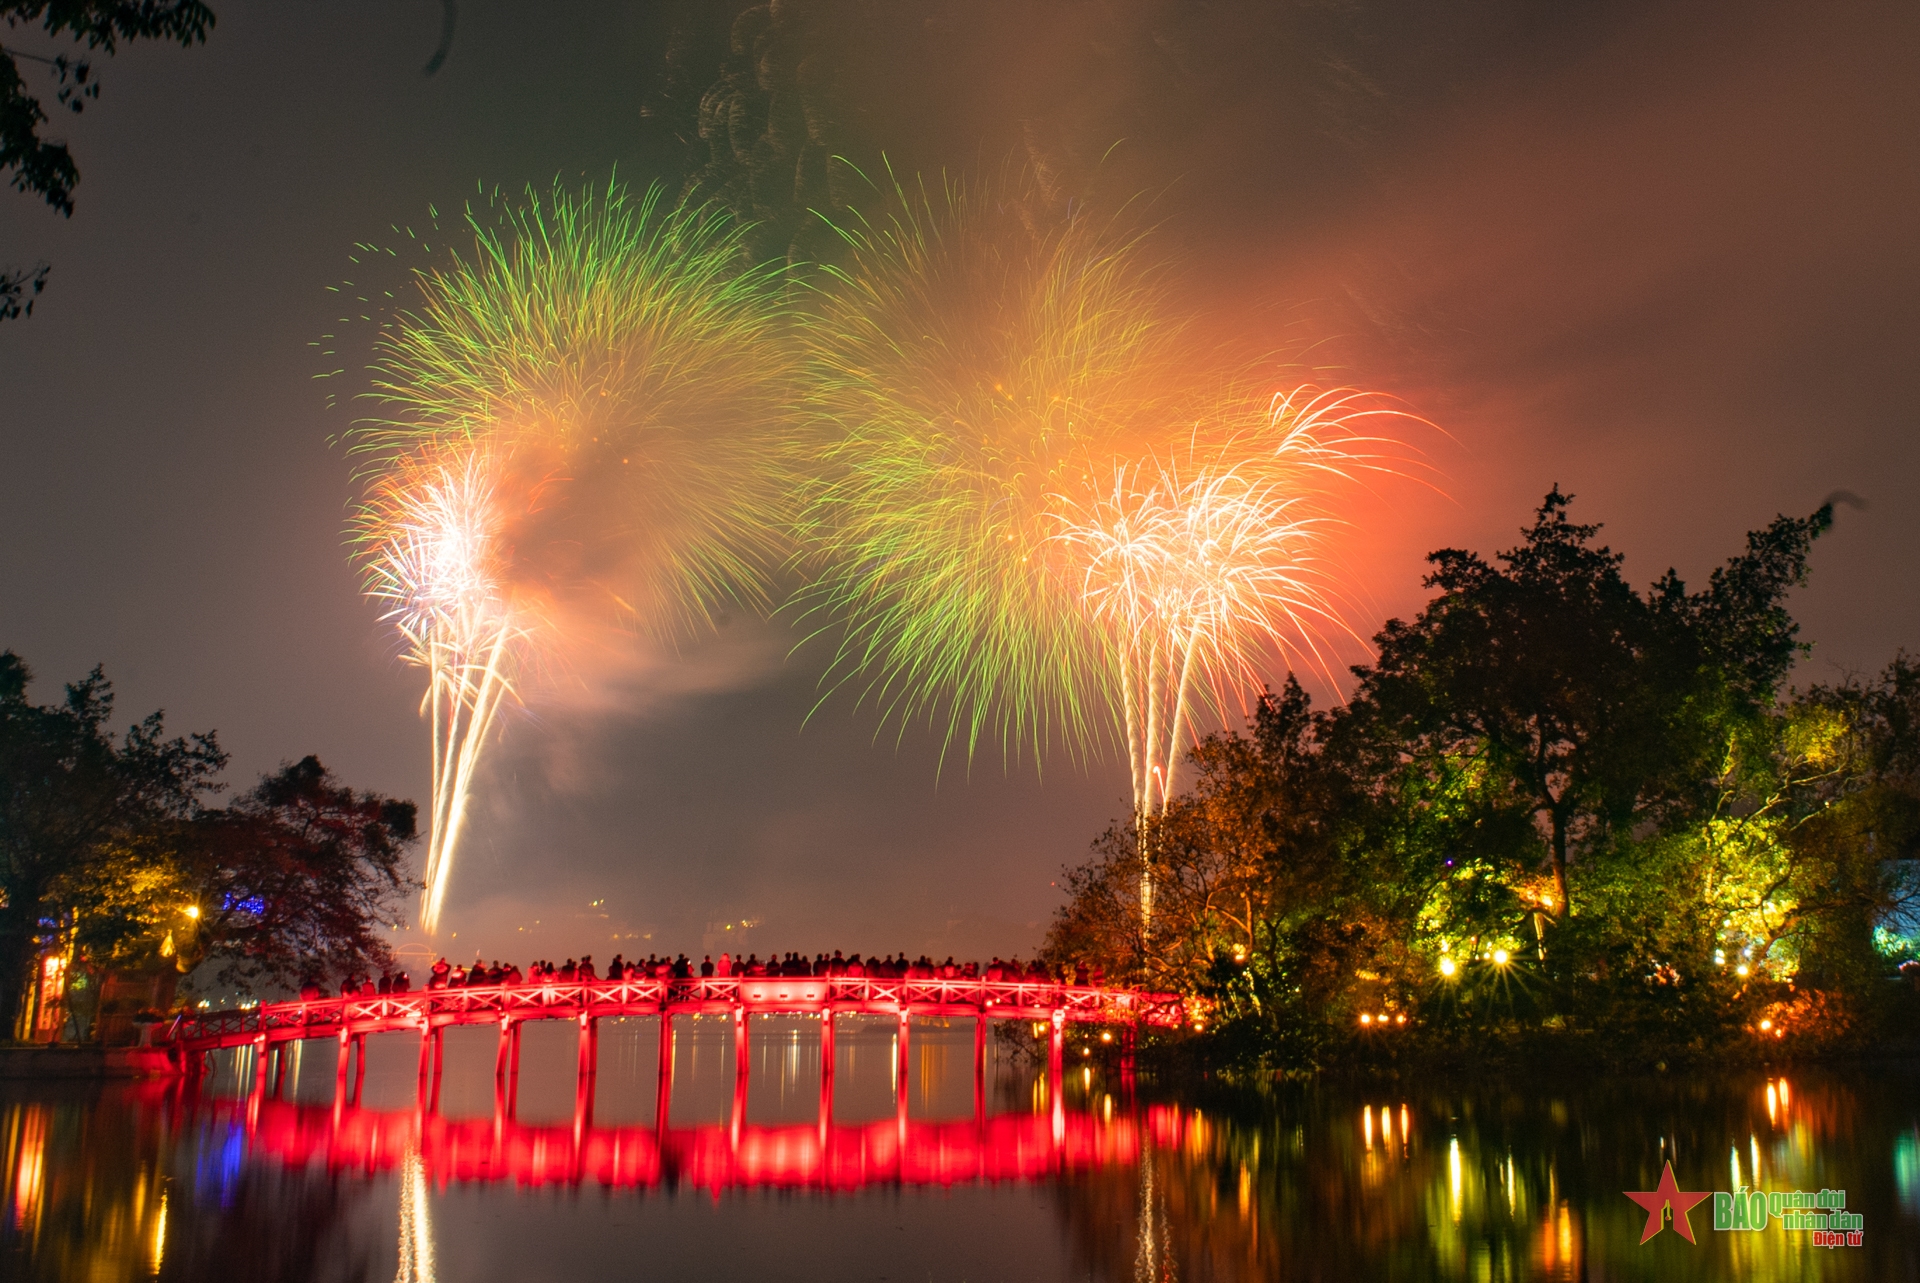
1668	1194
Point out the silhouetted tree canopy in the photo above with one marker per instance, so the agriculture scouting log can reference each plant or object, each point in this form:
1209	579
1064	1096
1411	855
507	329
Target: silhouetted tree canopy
68	790
1555	808
37	165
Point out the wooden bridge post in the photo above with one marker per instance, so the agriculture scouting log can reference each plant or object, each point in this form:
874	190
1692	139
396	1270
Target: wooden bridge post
903	1060
980	1067
589	1069
429	1064
259	1085
359	1065
1057	1051
1128	1034
340	1065
663	1096
503	1053
584	1080
742	1063
826	1071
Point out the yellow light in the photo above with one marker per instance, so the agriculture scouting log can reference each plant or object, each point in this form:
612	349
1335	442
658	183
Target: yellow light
1399	1020
1500	957
1741	970
1106	1036
1766	1024
1365	1019
1446	967
193	911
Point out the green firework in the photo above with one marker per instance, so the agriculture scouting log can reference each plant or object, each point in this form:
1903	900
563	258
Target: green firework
628	375
975	358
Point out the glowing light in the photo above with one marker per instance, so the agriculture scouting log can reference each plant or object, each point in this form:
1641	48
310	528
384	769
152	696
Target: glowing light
1499	957
30	1166
1195	567
586	435
416	1223
1046	515
1454	1174
193	911
1766	1024
1447	967
1742	970
1366	1018
157	1250
1773	1104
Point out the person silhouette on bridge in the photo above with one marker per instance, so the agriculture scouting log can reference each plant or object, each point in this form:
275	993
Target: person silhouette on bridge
725	965
585	971
706	967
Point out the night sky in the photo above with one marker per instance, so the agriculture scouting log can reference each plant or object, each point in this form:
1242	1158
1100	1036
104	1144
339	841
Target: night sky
1666	260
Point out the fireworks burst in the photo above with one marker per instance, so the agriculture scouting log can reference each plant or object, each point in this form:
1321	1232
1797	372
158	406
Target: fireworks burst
440	570
977	358
584	429
1046	515
1197	570
1001	549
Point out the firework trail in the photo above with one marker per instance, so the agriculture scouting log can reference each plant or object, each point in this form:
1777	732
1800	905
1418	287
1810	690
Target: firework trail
1198	569
1048	514
440	569
975	358
583	433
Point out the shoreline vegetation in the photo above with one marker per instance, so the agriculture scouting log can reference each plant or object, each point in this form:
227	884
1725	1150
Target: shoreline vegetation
1560	822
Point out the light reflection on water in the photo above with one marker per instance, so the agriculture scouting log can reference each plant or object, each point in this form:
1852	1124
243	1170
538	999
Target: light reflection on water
1417	1180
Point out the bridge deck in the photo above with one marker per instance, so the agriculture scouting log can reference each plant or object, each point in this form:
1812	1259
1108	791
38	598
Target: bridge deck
594	1000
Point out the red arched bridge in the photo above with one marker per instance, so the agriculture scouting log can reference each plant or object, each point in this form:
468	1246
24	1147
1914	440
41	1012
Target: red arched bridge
268	1028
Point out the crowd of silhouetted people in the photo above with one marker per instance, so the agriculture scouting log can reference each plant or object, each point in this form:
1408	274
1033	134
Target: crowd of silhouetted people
453	976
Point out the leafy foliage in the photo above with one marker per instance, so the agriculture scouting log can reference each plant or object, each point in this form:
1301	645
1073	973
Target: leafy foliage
68	790
108	847
44	168
289	883
47	168
1556	813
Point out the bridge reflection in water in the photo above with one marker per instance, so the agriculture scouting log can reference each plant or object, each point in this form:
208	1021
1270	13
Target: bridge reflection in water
723	1150
823	1156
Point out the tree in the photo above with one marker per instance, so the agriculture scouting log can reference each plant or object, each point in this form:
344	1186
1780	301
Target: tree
47	169
1543	744
295	879
68	789
292	882
1601	709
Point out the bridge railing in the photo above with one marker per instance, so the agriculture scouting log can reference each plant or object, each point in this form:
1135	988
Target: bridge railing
599	999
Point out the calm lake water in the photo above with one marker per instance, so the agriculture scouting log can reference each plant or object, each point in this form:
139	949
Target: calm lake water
1416	1180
